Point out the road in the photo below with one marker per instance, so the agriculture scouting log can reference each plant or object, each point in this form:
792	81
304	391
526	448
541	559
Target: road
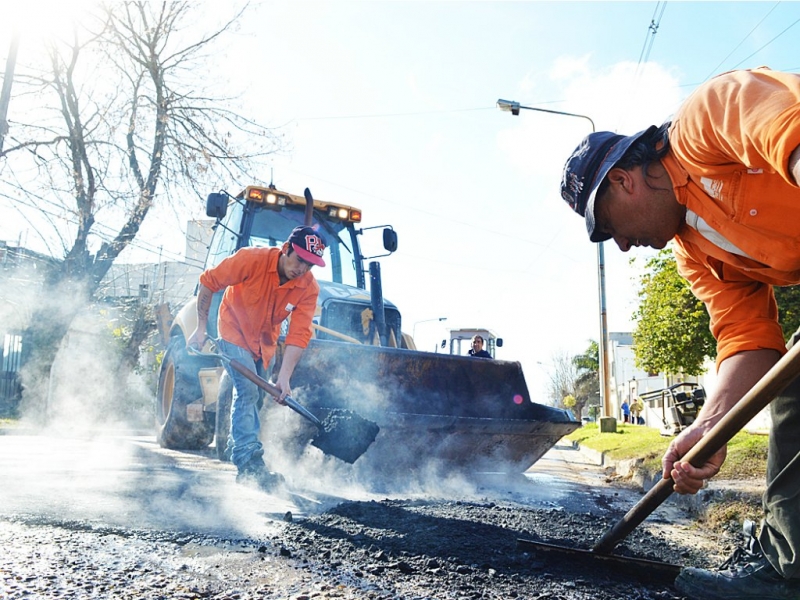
124	480
118	517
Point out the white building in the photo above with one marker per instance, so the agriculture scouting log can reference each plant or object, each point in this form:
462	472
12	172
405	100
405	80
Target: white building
627	382
171	282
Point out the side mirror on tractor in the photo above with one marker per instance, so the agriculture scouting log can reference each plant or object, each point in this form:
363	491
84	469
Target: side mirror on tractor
390	239
217	205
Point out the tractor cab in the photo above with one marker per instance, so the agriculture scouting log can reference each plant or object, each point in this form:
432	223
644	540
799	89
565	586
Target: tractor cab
461	341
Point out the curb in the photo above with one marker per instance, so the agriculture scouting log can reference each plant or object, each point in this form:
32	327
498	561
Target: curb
644	480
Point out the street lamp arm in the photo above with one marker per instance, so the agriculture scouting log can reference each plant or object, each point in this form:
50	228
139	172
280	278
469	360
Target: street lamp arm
414	329
514	108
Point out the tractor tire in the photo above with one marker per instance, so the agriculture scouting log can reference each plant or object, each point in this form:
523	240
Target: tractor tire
222	426
179	386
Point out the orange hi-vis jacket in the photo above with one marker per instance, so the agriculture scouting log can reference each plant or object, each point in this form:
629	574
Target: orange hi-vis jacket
730	144
255	304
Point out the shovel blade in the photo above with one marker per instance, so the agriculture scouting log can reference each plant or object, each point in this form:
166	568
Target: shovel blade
345	435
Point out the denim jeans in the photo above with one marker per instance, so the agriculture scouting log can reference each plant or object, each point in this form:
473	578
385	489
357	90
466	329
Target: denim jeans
245	424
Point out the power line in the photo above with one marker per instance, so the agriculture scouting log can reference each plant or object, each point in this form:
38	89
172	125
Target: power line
767	44
714	70
107	234
385	115
652	30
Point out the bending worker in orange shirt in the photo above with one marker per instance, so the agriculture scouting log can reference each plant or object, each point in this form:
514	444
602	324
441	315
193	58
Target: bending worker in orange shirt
264	287
722	181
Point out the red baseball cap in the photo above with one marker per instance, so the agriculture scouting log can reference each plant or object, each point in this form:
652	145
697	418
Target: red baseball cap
309	245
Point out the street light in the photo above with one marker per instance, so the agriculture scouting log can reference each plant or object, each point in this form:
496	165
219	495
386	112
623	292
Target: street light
514	108
414	329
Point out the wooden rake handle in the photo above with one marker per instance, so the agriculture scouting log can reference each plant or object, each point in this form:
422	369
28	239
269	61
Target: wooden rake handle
760	395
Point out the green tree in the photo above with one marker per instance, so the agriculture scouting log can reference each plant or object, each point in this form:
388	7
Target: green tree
788	299
587	384
672	332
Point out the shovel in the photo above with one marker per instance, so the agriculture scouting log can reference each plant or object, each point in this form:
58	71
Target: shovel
343	434
760	395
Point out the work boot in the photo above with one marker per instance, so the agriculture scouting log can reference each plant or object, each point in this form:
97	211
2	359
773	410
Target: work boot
746	575
256	474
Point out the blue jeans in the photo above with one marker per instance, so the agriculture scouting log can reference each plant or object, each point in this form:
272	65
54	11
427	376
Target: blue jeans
245	424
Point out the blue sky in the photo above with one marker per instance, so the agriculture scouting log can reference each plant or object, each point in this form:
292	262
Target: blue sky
390	106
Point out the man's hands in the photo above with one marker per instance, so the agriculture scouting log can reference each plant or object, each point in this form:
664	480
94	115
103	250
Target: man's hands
197	340
689	479
735	376
291	356
283	385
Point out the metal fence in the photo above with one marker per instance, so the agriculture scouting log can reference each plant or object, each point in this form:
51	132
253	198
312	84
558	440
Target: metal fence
10	385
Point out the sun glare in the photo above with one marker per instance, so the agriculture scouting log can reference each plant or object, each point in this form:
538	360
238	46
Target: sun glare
37	20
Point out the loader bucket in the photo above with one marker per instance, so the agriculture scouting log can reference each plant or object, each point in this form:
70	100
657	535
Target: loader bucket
458	411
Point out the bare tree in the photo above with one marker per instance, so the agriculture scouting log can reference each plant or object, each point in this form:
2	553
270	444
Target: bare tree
117	116
563	377
576	376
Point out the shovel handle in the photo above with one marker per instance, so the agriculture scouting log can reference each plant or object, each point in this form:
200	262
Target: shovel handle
267	386
264	385
760	395
302	410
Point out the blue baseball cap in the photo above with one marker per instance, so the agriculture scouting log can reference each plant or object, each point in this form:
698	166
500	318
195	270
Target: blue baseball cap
586	169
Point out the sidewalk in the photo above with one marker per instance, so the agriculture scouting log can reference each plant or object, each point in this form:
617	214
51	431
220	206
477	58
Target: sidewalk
630	474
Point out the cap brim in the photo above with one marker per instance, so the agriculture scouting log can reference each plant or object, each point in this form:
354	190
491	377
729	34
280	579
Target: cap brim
611	159
308	256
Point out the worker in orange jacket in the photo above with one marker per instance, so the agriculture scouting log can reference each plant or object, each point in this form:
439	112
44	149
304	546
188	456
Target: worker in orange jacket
722	182
263	287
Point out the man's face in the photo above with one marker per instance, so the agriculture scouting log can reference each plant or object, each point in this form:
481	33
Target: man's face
635	214
477	344
294	266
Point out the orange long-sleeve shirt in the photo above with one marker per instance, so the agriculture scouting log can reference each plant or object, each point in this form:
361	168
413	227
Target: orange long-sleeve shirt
255	304
730	144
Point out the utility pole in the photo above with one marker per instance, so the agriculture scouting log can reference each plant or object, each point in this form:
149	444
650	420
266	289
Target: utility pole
8	79
605	387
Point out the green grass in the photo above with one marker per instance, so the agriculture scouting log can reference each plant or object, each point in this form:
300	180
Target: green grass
747	453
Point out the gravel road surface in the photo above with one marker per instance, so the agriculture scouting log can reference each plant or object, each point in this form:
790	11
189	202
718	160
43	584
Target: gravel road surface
119	517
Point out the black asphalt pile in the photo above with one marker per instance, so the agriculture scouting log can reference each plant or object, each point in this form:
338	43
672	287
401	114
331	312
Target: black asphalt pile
388	550
345	435
424	549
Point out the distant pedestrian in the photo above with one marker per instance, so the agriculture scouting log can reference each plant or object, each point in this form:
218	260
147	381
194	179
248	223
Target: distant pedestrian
636	408
626	411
